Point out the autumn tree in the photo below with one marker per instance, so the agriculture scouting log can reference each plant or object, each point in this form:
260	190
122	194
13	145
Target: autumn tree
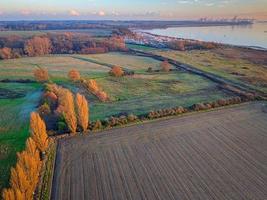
38	131
92	85
38	46
12	194
96	90
116	71
67	109
82	111
102	96
177	45
165	66
41	75
24	176
5	53
74	75
62	43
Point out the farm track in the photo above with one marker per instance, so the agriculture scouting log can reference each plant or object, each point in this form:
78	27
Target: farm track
97	62
220	154
208	75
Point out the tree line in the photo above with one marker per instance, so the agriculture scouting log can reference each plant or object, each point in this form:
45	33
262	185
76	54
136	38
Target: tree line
59	43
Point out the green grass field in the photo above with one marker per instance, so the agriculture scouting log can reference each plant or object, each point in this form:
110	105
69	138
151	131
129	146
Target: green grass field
136	63
136	94
93	32
243	66
14	123
145	92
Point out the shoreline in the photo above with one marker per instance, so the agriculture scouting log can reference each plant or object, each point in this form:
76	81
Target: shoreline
258	48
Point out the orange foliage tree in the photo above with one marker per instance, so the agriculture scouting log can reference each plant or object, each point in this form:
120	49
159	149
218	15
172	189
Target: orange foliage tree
92	85
96	90
116	71
38	131
5	53
82	111
24	176
102	96
12	194
74	75
67	109
177	45
41	75
38	46
165	66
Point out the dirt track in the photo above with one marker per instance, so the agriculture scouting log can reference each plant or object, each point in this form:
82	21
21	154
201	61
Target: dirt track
216	155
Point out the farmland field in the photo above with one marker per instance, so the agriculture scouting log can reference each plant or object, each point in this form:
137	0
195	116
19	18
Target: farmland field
138	94
212	155
17	100
240	65
93	32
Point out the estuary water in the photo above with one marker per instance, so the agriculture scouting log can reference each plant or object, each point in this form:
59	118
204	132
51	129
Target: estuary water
254	35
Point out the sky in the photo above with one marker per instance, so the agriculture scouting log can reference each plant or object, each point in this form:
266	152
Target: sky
131	9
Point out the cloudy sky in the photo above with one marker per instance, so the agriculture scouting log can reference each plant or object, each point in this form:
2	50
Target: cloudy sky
133	9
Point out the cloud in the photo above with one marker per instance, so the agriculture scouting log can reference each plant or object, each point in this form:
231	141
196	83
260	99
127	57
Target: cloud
25	12
101	13
74	13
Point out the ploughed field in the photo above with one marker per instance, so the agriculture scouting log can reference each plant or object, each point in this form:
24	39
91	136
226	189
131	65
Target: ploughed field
220	154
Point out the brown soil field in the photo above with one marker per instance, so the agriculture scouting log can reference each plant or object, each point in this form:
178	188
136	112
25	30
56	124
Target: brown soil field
220	154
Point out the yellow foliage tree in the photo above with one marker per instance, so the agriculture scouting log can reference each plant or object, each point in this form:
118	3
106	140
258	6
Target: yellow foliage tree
25	175
96	90
38	131
82	111
19	180
67	108
13	194
92	85
74	75
41	75
116	71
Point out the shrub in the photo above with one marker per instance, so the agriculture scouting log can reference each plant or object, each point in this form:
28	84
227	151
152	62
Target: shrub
198	107
165	66
5	53
82	111
149	70
38	131
116	71
61	126
132	117
44	109
74	75
97	125
41	75
221	102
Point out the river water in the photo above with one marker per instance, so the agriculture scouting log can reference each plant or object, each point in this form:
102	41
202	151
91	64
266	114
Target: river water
254	35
